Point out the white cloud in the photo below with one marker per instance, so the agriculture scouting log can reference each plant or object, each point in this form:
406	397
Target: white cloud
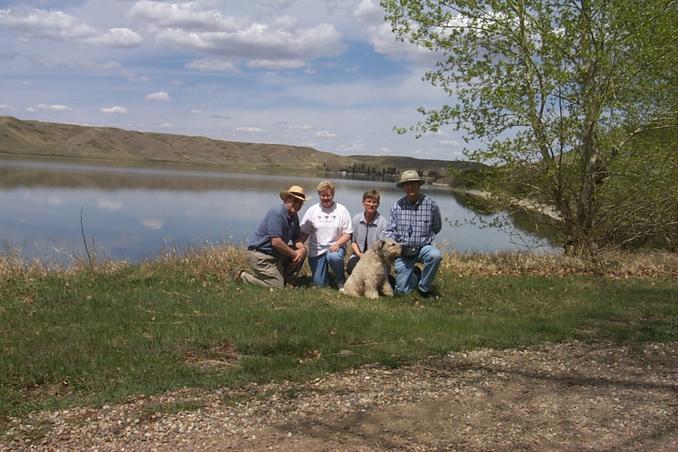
160	96
212	65
250	129
325	134
6	107
449	142
45	107
108	65
370	12
115	110
117	37
409	89
280	44
166	125
59	26
186	15
382	38
276	64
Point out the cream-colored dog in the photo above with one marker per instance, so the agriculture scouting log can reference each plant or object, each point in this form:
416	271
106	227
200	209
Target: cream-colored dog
370	275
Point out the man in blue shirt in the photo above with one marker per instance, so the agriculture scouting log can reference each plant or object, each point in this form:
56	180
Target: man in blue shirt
414	222
275	252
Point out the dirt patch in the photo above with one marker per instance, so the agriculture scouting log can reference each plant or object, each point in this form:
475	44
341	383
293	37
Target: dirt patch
562	397
219	357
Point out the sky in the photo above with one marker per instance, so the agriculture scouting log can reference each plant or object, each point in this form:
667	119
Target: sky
322	73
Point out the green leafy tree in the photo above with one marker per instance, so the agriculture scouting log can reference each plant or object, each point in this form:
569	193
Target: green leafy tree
560	96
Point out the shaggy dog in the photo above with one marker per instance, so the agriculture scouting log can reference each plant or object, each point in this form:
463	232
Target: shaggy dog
370	275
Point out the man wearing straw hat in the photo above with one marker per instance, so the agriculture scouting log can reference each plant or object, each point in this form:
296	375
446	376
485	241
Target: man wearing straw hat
275	252
414	222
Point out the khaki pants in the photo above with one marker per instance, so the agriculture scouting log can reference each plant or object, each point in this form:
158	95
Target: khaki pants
269	271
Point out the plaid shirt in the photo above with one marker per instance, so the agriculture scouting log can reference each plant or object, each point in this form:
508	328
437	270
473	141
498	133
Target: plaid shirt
414	224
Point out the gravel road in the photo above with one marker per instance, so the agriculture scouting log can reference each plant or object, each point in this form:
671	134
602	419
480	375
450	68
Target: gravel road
554	397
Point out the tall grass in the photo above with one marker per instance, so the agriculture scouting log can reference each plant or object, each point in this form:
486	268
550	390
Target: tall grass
84	335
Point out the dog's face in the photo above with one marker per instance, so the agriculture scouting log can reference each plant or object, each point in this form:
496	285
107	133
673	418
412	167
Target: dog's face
388	249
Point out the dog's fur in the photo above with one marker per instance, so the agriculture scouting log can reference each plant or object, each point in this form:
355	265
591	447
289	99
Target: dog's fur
370	275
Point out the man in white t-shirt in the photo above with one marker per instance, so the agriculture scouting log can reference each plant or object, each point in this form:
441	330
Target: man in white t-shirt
327	225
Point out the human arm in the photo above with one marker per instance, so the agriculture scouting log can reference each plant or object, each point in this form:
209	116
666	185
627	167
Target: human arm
296	254
284	249
345	227
355	247
382	225
436	220
391	231
343	240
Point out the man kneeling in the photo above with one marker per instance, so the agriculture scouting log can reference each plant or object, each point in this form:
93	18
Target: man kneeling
275	252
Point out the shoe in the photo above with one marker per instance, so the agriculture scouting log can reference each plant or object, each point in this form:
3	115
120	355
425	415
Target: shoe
423	294
340	287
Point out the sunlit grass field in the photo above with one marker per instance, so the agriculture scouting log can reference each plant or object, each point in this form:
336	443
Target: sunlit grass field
103	333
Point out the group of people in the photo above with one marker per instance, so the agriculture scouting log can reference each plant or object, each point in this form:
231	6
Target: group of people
277	249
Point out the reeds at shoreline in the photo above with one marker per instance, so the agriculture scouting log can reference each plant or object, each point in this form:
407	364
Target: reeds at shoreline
220	260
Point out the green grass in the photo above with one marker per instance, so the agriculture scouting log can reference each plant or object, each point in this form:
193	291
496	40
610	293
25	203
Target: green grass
100	337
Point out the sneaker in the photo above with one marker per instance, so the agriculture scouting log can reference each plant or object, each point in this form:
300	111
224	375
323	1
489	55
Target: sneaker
423	294
340	286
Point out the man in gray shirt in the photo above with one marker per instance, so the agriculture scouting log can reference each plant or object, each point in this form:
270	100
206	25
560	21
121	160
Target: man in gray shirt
276	251
368	227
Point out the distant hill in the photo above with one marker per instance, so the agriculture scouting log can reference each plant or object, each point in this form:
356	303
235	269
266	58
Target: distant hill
35	139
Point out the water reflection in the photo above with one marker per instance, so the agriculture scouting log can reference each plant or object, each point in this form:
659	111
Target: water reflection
516	220
135	213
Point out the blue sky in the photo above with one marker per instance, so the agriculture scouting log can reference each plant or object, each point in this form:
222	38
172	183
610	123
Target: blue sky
322	73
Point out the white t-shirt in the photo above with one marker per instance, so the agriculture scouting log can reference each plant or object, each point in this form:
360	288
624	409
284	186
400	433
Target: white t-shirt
325	226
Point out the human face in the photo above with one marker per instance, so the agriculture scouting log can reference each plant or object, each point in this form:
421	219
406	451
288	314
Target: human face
370	205
293	205
412	190
326	198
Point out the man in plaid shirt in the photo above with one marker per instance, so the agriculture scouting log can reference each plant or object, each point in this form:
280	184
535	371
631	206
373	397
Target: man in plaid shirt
415	220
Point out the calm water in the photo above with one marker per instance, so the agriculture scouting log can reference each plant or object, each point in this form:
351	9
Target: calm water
136	213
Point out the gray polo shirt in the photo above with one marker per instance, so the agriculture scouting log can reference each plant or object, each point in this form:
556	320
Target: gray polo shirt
372	231
276	223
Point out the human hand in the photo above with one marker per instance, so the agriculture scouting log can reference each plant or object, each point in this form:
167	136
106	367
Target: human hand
299	254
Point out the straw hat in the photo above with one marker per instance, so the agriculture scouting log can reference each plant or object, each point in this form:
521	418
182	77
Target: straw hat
409	176
294	191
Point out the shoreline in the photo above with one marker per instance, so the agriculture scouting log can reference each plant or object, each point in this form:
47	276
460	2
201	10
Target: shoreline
527	204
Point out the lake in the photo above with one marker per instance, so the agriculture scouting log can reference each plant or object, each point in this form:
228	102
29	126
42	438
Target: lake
132	213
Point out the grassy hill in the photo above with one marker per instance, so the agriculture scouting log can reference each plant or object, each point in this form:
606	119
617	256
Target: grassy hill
35	139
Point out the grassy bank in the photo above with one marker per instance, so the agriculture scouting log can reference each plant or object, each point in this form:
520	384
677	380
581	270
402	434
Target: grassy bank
90	336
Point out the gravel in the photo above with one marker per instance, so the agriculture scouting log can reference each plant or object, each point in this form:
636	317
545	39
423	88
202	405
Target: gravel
555	397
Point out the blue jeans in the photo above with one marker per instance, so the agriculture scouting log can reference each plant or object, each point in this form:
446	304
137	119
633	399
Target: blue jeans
320	264
407	280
